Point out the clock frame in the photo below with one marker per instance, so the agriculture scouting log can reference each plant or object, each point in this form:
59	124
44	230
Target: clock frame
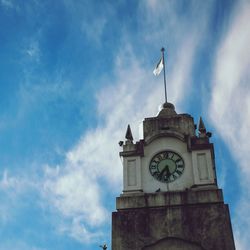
166	166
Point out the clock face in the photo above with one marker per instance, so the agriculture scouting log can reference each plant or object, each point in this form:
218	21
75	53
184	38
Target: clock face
166	166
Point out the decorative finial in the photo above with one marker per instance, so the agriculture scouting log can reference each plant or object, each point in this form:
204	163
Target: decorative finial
167	109
129	135
202	128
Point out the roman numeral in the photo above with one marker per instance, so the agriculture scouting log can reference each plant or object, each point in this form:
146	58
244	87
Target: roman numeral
178	172
178	160
180	166
165	155
171	155
174	177
159	157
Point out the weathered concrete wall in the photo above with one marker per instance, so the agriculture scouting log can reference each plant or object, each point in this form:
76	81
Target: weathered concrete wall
196	195
188	226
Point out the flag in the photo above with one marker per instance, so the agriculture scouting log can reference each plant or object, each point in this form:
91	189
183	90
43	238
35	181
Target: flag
158	67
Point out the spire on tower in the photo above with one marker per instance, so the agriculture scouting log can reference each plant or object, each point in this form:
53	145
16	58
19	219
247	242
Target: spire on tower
129	135
202	128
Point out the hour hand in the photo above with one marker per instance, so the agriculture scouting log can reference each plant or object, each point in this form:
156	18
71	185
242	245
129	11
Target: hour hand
165	169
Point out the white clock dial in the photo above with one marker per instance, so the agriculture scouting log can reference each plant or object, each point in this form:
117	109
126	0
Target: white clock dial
166	166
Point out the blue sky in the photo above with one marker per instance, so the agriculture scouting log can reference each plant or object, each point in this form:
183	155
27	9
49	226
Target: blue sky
75	73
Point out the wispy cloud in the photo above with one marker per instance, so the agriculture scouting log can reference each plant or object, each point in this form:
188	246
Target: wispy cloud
15	184
75	188
230	104
79	207
180	78
8	182
74	193
78	230
182	37
12	189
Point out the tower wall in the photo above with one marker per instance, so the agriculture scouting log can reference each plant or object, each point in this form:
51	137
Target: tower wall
172	220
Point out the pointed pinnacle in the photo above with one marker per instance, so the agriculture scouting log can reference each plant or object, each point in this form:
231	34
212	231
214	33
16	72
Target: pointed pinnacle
201	127
129	135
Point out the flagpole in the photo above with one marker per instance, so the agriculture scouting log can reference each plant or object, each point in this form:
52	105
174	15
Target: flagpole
163	59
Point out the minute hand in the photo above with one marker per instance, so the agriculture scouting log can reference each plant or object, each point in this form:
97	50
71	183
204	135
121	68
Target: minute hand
165	169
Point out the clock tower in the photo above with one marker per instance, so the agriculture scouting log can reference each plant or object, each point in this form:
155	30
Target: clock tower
170	198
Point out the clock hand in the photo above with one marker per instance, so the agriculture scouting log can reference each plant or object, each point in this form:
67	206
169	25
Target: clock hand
161	173
165	169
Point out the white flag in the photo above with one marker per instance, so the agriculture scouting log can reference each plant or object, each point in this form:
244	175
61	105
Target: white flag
158	67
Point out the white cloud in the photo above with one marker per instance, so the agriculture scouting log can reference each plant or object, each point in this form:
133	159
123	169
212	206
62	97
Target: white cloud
15	185
78	231
76	190
92	168
74	193
242	222
230	105
180	79
182	35
8	182
12	189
